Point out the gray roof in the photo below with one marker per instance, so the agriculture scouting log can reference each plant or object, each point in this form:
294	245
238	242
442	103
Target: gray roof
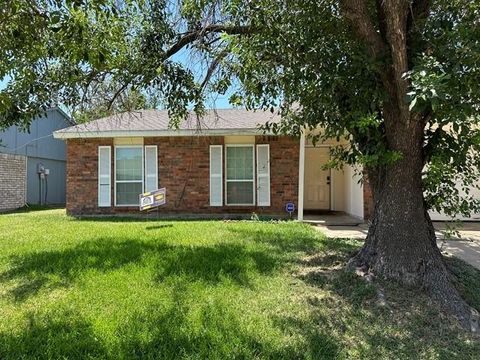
156	123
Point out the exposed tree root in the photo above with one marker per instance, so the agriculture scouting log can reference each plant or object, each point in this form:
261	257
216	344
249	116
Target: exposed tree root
434	279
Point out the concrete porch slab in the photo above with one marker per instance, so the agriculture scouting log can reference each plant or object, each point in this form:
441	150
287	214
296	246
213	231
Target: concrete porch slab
332	219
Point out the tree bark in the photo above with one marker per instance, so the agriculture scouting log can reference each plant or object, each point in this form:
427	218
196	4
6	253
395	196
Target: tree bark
401	242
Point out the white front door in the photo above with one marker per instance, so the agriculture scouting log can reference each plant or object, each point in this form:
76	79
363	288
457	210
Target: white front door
317	180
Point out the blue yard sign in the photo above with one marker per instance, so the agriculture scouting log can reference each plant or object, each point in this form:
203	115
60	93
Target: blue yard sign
152	199
290	207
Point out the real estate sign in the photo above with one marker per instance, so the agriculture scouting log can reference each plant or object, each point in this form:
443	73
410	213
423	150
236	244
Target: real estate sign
153	199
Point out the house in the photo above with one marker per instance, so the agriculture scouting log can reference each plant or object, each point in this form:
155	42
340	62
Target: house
227	167
33	163
222	165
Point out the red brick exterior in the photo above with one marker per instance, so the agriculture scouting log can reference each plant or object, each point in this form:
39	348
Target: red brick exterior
183	165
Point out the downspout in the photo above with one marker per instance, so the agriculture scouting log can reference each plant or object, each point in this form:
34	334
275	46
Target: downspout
301	175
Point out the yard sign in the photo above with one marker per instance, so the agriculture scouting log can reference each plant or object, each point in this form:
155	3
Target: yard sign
153	199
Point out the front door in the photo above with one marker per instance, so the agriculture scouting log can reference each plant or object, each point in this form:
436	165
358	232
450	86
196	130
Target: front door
317	180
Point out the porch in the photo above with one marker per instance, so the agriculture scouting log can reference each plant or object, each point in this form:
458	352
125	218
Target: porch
327	196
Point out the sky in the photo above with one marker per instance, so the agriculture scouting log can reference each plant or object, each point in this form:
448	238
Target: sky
214	101
3	83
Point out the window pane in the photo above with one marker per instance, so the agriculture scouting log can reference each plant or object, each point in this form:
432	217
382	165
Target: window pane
239	192
128	163
127	193
240	163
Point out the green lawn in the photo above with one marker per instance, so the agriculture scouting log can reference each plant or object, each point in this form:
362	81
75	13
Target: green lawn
122	289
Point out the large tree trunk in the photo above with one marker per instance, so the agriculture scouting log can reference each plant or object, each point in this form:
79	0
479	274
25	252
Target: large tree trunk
401	242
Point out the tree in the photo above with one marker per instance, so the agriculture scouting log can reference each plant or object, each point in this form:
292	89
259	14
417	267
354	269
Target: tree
397	78
110	98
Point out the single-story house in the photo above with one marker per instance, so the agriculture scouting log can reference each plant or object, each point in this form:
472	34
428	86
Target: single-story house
219	165
222	164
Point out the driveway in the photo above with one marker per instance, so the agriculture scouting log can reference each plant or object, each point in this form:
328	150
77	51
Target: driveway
467	247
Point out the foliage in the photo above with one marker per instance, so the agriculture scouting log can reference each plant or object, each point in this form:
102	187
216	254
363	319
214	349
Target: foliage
131	288
298	57
101	105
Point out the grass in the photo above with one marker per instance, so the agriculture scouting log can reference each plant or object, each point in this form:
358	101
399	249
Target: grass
118	289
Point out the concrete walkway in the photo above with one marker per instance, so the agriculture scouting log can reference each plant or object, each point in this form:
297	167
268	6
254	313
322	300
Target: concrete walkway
467	247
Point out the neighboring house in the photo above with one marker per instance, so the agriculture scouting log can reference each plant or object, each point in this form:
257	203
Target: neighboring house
44	159
227	167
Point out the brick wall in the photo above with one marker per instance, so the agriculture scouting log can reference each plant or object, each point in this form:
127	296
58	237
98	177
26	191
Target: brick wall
183	165
13	177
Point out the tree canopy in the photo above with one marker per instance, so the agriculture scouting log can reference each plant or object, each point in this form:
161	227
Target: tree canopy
302	58
399	79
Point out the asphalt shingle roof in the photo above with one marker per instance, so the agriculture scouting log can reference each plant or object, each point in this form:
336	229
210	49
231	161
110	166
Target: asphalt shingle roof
158	120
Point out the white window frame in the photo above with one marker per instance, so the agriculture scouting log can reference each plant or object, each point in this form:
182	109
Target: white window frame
253	174
156	165
128	181
109	176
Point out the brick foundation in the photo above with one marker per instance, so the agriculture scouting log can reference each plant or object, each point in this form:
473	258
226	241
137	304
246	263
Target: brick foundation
183	165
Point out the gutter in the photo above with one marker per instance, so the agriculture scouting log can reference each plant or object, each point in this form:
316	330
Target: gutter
59	134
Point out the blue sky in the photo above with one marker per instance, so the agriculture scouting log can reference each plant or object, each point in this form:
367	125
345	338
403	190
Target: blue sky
213	101
3	83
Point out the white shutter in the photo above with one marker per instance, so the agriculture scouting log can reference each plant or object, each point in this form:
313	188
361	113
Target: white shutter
263	175
104	176
151	168
216	182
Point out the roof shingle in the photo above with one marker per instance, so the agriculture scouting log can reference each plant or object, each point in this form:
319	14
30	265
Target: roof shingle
158	120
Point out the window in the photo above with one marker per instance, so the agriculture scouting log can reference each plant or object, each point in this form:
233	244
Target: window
239	180
128	175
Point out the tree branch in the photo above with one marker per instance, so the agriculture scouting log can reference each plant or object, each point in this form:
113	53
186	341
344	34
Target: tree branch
396	15
191	36
356	12
419	9
117	93
211	69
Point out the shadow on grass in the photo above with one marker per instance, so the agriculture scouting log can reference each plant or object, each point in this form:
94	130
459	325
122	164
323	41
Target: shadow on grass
64	336
157	227
380	314
215	332
212	264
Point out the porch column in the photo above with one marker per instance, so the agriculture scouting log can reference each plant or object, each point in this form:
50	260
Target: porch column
301	175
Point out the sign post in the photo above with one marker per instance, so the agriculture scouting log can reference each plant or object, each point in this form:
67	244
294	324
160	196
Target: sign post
153	199
290	208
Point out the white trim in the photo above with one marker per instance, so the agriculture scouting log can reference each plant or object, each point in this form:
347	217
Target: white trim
216	175
145	165
109	176
265	176
240	180
126	181
301	176
59	134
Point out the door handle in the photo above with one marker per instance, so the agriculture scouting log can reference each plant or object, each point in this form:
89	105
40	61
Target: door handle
328	180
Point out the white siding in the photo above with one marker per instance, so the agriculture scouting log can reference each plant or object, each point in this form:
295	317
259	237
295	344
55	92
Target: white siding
354	193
